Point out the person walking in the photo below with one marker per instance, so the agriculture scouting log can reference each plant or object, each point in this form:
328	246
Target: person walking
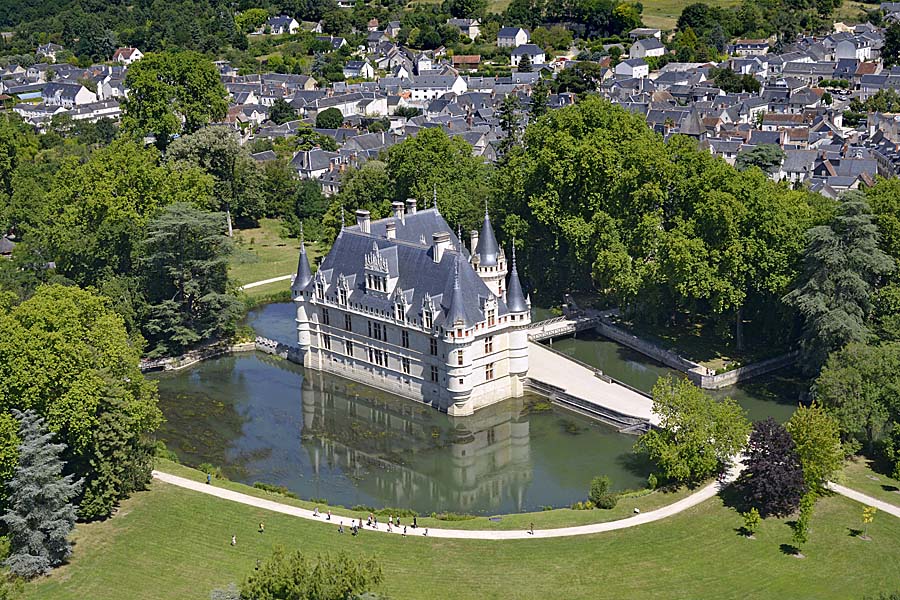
208	479
234	540
262	528
316	511
341	528
328	518
426	532
415	523
404	531
532	529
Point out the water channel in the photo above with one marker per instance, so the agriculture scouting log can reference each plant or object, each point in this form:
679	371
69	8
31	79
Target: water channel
264	419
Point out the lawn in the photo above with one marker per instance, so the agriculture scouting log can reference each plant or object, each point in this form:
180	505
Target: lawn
263	253
549	519
859	475
663	14
174	544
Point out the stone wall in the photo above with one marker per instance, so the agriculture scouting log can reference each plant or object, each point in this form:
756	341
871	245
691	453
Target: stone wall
698	374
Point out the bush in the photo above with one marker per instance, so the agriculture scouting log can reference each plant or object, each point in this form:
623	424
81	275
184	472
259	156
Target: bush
216	472
363	508
275	489
397	512
161	451
451	516
586	505
607	501
651	481
600	494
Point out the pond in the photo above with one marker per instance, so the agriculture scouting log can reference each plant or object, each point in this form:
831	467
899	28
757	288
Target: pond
264	419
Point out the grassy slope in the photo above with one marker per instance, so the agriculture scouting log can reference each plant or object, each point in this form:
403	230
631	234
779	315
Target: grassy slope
171	543
562	517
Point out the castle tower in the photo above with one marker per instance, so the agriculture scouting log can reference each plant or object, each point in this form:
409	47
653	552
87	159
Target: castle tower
301	296
459	352
488	258
520	313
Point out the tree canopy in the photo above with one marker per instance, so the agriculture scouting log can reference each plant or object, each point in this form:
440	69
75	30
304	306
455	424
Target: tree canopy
772	480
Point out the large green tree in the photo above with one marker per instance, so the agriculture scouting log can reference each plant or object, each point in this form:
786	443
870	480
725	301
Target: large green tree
185	273
817	437
238	178
697	435
172	92
65	354
842	268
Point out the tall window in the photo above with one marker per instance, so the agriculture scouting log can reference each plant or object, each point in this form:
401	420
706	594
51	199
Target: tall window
459	358
405	362
491	319
320	289
326	341
326	317
432	346
434	374
489	371
489	344
377	331
398	312
404	338
348	347
348	322
342	296
427	319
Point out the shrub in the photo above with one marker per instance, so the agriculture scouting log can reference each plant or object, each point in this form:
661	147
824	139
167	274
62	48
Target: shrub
397	512
651	481
363	508
600	494
607	501
216	472
275	489
450	516
751	521
161	451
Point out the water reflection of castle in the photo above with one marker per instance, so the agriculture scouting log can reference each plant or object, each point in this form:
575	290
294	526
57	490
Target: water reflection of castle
410	455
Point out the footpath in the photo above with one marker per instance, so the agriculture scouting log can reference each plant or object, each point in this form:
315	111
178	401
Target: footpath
265	281
682	505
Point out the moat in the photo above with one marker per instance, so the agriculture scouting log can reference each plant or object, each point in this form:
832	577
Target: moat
261	419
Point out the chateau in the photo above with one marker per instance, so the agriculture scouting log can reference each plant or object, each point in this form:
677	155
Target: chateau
401	305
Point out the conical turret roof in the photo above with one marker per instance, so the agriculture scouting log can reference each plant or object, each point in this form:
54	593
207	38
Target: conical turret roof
515	298
304	273
456	313
488	251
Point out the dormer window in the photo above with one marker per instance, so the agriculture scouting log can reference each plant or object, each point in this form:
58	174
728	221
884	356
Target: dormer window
343	290
427	319
320	289
491	317
342	296
376	283
399	313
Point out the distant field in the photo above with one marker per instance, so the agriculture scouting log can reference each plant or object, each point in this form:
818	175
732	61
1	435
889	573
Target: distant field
663	14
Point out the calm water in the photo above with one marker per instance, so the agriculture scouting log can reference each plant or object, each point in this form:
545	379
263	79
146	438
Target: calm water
261	419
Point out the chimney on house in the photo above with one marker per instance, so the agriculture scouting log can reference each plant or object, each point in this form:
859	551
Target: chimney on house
473	240
390	229
411	206
441	242
397	208
362	220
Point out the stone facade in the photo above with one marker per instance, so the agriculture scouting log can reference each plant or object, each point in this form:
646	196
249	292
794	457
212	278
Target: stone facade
399	304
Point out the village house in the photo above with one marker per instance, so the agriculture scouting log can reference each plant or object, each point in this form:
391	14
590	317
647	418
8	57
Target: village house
512	37
282	24
532	51
127	56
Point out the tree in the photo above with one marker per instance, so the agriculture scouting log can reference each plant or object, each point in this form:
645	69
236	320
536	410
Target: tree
524	65
171	92
238	178
599	493
767	157
817	439
467	9
860	387
843	266
295	576
801	525
509	124
697	435
540	94
281	112
330	118
890	53
65	354
250	20
772	480
185	276
580	79
41	514
751	521
867	518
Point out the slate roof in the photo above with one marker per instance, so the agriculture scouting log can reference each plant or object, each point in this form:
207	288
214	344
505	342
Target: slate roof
529	49
488	251
412	264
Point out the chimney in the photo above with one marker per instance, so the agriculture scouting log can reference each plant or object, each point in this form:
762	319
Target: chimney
411	206
473	240
441	242
390	229
397	207
362	220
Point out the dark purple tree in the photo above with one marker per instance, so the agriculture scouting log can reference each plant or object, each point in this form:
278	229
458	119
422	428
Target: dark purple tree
772	480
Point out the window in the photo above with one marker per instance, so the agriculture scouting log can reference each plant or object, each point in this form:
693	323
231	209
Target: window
404	338
369	325
377	357
342	296
348	322
377	331
427	319
348	347
434	374
320	289
489	371
399	314
459	358
326	317
491	318
432	346
405	362
489	344
326	341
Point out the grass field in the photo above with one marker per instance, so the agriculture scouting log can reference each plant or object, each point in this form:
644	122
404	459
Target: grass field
562	517
262	253
858	475
169	543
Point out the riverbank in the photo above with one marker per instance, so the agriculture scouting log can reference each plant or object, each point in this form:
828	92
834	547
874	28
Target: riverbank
169	543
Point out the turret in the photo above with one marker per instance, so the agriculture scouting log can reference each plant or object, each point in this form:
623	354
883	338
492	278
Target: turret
520	313
488	259
515	298
459	355
301	297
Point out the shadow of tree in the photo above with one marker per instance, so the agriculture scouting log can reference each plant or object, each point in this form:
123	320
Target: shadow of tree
789	549
890	488
733	497
854	532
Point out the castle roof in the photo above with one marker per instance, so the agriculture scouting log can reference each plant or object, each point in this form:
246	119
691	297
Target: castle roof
304	273
488	251
515	298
